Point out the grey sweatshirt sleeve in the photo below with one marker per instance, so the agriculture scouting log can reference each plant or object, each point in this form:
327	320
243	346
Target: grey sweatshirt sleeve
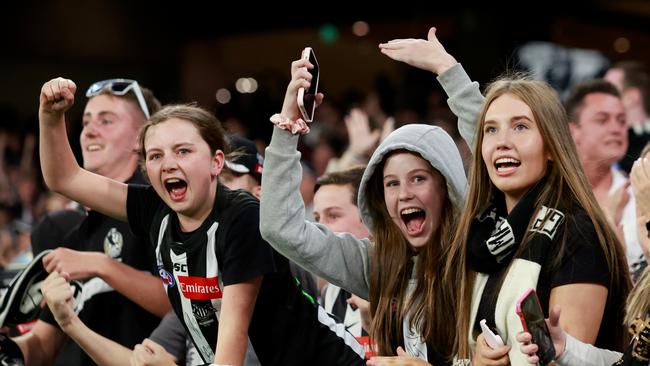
171	335
465	101
341	259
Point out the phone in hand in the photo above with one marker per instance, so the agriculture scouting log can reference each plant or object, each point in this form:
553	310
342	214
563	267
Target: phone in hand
532	318
307	98
493	340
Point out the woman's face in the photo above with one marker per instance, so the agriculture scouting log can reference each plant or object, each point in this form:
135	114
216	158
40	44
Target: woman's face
414	194
513	149
181	167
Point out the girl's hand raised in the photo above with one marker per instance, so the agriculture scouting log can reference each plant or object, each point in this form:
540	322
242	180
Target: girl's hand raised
426	54
300	78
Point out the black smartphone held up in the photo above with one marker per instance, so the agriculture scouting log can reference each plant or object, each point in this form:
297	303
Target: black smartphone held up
307	98
532	318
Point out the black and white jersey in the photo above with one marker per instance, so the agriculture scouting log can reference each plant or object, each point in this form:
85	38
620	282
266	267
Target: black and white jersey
335	302
286	328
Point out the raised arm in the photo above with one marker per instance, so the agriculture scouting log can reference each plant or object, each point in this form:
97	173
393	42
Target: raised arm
362	142
465	98
60	169
339	258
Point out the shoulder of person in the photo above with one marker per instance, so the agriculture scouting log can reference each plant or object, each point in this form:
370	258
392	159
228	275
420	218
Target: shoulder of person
580	230
235	202
236	209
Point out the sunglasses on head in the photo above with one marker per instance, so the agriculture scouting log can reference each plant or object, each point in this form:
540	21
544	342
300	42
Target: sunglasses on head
119	87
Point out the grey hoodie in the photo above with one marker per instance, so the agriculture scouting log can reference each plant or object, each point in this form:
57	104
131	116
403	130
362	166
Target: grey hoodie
433	144
340	258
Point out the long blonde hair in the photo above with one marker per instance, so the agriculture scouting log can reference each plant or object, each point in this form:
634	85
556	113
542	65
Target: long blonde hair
645	151
566	187
638	303
391	266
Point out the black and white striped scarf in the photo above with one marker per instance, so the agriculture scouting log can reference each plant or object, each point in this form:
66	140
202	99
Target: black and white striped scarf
496	235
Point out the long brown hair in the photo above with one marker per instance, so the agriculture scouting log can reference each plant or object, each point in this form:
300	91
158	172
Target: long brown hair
429	307
566	187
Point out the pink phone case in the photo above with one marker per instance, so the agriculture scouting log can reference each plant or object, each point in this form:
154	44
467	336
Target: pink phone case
546	352
521	300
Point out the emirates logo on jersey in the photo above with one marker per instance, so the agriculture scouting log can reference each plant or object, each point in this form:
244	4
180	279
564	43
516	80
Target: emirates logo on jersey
199	288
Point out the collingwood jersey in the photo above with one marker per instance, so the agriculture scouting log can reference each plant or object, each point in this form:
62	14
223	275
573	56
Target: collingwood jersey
286	327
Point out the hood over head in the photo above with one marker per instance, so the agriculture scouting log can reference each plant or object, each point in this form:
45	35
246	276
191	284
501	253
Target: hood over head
434	145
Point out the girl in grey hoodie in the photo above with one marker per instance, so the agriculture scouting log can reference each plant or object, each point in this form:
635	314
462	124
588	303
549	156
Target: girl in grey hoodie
410	196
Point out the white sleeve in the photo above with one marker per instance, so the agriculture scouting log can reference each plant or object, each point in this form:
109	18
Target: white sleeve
577	353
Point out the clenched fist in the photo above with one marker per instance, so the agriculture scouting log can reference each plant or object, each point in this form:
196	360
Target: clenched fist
57	96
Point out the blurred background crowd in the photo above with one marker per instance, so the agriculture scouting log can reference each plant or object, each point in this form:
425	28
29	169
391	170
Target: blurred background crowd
234	62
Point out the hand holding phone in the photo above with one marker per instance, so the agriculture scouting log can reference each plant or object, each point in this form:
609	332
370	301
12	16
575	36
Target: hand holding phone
493	340
532	318
307	98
